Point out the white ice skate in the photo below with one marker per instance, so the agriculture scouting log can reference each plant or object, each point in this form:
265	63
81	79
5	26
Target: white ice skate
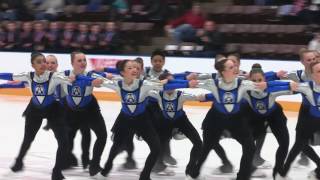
166	172
279	177
9	175
265	165
198	178
224	169
258	174
178	135
99	176
312	176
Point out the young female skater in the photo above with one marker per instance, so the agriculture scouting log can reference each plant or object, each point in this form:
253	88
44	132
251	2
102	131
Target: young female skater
264	112
171	104
306	58
133	117
128	146
158	59
226	114
307	125
83	111
42	105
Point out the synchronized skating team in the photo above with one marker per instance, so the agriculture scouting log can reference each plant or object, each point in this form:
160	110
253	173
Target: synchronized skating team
243	108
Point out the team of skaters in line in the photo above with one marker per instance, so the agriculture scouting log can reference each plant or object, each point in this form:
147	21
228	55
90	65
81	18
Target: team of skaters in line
243	107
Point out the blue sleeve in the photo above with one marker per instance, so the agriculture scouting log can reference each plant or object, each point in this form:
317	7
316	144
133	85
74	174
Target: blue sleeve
111	70
100	73
208	97
172	86
6	76
177	81
278	83
18	85
181	76
86	79
271	76
277	88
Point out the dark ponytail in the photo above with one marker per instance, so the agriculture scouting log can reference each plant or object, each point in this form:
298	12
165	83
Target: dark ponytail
34	55
120	65
164	75
256	68
219	65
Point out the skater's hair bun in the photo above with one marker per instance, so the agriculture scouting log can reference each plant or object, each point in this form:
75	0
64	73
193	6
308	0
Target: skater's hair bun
164	76
256	68
120	65
34	55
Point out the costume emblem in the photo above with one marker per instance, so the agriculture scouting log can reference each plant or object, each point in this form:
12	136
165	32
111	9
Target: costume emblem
39	90
76	91
169	107
260	106
228	98
130	98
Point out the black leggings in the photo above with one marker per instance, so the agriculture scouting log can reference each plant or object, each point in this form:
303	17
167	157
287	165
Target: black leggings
303	113
34	117
154	111
277	122
85	119
184	126
123	129
213	126
278	125
128	146
300	144
306	127
85	141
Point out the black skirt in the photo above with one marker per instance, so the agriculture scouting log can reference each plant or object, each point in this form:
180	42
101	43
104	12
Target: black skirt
54	110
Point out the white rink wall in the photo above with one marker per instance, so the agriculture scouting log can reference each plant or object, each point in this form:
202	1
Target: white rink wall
17	62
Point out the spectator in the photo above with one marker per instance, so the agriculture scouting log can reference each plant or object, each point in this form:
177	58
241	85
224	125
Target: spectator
2	37
81	40
12	36
310	12
210	39
67	36
111	40
26	35
314	44
53	35
177	8
94	36
184	28
156	9
94	5
8	9
39	37
120	9
49	9
137	11
306	12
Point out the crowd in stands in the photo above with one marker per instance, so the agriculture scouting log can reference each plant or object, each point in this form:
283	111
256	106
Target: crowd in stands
112	9
40	36
64	25
301	10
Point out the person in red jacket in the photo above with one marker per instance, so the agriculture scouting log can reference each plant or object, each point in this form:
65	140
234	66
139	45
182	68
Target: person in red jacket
184	28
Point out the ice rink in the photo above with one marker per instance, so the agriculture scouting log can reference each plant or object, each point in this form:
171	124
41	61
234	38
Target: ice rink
40	158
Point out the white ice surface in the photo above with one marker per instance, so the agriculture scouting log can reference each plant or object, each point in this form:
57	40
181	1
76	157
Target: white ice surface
40	158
